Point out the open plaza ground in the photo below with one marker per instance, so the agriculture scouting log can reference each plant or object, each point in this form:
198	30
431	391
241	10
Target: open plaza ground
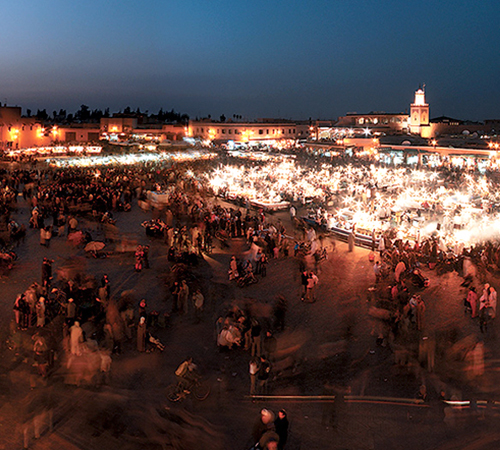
349	375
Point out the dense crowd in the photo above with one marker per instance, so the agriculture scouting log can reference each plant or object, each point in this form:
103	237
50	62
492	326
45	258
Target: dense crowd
85	323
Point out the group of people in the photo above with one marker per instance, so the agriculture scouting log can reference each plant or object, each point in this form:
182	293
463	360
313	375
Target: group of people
483	307
270	432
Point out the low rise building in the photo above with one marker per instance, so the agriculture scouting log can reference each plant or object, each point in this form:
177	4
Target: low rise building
265	131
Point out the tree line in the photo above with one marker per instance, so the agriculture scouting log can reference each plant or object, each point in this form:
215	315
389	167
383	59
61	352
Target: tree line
87	115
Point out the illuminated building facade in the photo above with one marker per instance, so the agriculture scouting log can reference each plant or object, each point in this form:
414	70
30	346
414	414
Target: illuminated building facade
243	131
118	128
379	121
17	131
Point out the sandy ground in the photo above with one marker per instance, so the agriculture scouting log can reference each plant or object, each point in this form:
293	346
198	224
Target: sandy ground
330	341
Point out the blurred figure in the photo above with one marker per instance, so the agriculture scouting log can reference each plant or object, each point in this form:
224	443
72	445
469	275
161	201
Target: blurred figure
141	335
76	339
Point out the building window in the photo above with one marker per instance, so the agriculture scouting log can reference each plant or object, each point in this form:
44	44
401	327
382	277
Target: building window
223	131
229	131
267	131
361	121
260	131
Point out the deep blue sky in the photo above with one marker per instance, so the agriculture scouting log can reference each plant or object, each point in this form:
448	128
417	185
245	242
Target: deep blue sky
259	58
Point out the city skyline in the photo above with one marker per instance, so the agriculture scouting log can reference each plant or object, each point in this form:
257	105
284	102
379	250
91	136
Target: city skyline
286	59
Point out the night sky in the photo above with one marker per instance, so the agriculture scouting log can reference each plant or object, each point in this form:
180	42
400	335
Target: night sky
259	58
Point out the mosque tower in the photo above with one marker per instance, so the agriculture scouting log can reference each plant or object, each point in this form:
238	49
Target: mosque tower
419	115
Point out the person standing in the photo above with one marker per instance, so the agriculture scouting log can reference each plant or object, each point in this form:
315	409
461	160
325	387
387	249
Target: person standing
253	370
40	312
145	251
233	269
70	311
141	335
256	330
175	290
46	272
351	240
399	270
304	276
263	374
280	308
270	343
377	270
492	297
473	301
18	310
76	339
263	427
312	281
198	301
281	427
263	265
183	297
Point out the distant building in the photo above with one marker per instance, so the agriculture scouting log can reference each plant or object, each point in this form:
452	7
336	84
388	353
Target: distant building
17	131
378	121
77	133
121	127
243	131
442	126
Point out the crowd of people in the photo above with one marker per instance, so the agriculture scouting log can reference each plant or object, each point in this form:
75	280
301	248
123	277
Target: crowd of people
89	323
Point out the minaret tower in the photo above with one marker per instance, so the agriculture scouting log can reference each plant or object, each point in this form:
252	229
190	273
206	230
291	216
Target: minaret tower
419	114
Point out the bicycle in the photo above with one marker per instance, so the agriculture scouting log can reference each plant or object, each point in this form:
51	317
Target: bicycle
200	389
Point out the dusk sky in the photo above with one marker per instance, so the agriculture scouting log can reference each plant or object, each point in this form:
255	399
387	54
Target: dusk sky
272	58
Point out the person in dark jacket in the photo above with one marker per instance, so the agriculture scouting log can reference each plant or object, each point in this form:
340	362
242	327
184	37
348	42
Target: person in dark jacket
281	428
